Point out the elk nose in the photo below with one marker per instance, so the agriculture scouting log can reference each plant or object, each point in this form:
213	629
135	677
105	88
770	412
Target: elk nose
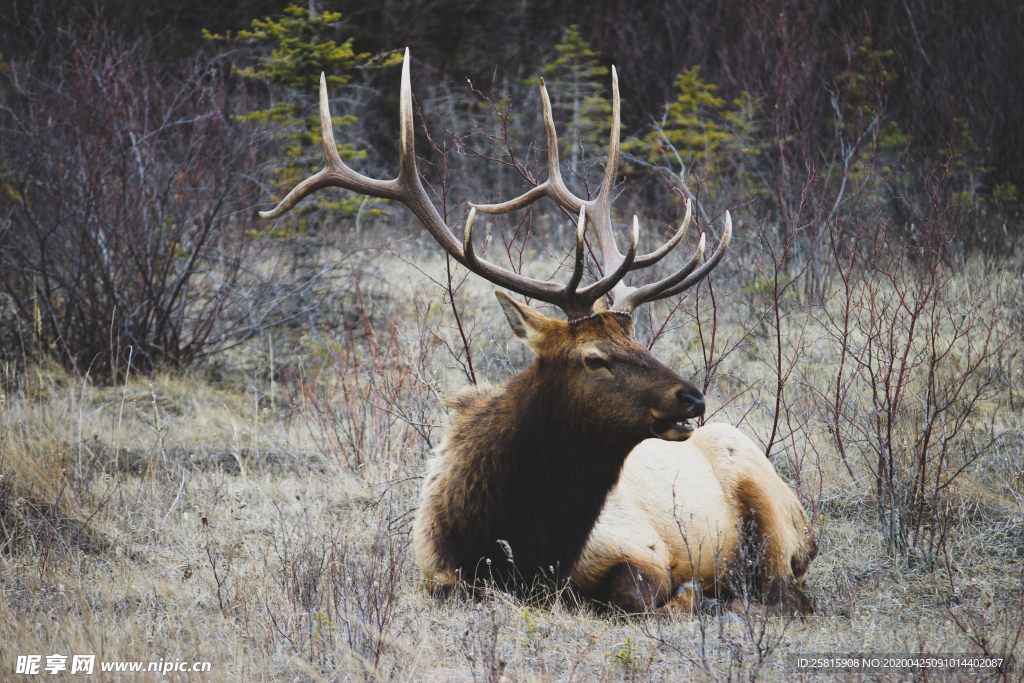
694	405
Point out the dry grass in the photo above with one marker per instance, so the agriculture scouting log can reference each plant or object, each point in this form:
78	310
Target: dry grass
265	529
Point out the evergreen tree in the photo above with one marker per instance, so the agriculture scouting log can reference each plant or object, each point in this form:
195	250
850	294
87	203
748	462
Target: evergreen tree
687	128
699	134
575	81
300	53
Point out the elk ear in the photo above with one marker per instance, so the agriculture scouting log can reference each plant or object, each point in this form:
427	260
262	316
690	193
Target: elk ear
526	323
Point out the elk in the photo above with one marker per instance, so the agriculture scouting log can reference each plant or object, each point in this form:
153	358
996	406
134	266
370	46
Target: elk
526	466
708	518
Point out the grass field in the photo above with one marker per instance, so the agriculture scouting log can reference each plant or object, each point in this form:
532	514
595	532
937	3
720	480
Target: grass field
255	513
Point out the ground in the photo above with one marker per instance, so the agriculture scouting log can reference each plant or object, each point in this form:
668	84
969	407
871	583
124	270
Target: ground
254	513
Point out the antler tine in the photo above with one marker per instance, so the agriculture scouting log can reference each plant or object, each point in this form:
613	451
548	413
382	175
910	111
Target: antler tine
334	171
708	266
660	253
565	297
682	279
610	254
613	281
554	187
408	189
542	190
573	303
602	205
415	196
611	167
650	292
577	271
557	189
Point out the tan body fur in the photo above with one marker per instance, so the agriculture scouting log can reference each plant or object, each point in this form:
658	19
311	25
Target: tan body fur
676	514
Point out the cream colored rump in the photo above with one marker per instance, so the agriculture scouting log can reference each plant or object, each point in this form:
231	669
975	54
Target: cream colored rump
672	510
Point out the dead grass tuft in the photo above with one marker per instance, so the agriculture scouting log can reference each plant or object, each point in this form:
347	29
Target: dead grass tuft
40	510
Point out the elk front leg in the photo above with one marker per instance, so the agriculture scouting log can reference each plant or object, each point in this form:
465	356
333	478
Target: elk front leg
634	588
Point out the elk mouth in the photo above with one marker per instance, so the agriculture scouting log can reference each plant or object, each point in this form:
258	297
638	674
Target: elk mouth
672	430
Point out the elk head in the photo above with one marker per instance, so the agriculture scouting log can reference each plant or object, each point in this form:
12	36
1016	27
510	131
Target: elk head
592	354
594	362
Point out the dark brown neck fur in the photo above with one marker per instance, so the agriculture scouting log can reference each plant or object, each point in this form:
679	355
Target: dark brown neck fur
522	466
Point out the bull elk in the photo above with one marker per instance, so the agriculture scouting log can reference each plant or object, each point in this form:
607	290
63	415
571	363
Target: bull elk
527	466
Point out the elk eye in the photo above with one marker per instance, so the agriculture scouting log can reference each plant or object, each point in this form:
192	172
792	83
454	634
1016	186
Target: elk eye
596	363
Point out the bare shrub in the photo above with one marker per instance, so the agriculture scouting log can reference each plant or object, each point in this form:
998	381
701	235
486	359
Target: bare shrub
1001	637
344	584
920	353
125	226
370	391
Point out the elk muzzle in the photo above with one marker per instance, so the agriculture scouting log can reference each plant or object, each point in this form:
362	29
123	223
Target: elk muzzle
672	422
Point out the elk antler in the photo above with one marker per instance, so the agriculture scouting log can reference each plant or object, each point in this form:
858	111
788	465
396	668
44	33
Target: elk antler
625	298
408	189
